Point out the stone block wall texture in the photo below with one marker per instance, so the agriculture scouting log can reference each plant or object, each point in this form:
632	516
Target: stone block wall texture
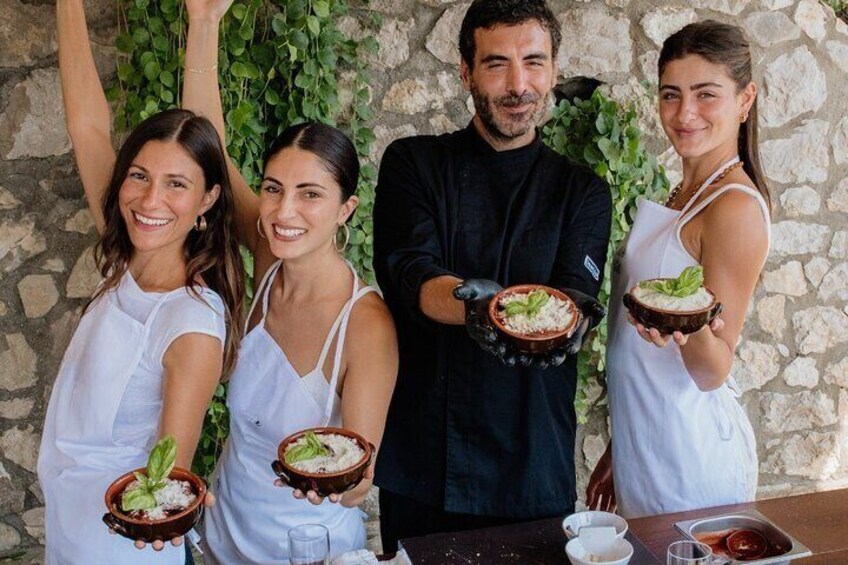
792	361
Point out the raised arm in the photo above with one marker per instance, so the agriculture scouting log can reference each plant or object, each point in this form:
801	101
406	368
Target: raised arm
201	95
86	110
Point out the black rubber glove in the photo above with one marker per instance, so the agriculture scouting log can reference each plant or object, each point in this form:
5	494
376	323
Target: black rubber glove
591	314
477	293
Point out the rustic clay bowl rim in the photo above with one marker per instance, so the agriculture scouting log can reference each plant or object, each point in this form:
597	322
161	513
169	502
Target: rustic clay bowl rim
113	504
704	310
526	289
325	430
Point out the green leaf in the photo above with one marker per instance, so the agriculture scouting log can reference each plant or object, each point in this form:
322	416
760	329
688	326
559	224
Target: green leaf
125	71
271	97
161	43
140	36
321	9
311	449
167	78
151	70
313	24
238	11
162	459
687	284
279	24
124	43
299	40
137	499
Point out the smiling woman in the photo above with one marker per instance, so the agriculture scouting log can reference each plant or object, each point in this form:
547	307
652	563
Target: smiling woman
708	109
320	347
153	340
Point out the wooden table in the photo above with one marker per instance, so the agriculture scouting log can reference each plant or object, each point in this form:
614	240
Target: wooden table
819	521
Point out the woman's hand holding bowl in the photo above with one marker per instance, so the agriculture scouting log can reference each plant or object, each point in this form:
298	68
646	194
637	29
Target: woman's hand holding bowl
652	335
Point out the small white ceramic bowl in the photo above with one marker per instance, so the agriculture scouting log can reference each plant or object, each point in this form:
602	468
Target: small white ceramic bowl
619	554
571	524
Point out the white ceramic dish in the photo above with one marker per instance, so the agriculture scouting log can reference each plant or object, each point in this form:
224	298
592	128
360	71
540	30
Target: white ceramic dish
619	554
571	524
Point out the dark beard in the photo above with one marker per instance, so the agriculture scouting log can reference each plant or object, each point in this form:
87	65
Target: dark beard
483	105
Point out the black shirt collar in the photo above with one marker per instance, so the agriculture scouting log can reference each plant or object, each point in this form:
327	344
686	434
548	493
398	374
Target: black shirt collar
481	145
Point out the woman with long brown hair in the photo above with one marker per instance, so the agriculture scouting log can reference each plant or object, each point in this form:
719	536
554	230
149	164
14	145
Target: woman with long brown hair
680	439
154	339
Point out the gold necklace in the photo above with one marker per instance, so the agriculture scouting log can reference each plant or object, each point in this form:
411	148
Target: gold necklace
676	198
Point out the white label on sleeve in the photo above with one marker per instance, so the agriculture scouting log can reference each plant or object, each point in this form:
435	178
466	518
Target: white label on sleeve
591	267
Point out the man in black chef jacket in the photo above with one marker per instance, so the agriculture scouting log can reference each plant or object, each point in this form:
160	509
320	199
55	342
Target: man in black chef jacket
471	441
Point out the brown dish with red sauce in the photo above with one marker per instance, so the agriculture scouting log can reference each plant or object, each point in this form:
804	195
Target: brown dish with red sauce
742	545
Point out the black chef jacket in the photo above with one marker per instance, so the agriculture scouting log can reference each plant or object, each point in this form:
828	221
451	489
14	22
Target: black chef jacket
465	432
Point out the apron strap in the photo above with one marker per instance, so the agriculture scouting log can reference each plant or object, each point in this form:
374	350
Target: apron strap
263	292
337	358
714	196
706	184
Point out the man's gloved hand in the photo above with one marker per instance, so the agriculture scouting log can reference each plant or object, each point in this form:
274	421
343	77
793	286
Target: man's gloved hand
477	293
591	313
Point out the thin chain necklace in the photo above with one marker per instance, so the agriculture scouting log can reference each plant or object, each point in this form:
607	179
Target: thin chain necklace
676	199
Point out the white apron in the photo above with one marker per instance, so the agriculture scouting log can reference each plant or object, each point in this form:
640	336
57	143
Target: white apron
79	458
268	401
675	447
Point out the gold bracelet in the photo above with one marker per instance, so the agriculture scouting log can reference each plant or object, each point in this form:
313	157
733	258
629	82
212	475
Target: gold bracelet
203	70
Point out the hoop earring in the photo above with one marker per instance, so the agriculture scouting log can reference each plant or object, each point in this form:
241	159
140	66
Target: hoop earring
344	245
200	223
259	228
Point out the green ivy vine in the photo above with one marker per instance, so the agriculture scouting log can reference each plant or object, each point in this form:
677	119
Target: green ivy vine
279	64
603	134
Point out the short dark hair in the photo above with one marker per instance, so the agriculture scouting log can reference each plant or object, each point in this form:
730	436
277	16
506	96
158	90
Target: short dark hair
487	14
332	147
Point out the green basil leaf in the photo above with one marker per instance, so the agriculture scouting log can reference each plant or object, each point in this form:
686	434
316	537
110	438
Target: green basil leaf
137	499
162	459
516	307
300	453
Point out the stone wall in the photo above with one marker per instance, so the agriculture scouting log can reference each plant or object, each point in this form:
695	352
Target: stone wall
791	362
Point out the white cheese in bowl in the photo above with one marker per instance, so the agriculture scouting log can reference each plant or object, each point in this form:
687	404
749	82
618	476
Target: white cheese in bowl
554	316
698	301
344	454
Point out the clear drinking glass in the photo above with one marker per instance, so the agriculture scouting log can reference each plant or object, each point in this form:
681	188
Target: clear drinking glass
689	553
309	544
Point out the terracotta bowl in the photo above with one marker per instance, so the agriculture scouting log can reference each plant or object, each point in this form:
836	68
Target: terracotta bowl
147	530
538	342
324	484
670	321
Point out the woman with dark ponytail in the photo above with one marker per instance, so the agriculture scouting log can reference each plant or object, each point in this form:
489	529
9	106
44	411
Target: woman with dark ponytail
320	346
680	439
154	339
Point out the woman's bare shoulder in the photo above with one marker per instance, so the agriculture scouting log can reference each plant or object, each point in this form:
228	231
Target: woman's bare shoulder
370	313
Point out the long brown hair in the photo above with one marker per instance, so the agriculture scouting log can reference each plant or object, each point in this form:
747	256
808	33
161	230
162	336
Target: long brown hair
211	255
723	44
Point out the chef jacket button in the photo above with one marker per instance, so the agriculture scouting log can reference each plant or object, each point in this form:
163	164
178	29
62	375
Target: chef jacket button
258	423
